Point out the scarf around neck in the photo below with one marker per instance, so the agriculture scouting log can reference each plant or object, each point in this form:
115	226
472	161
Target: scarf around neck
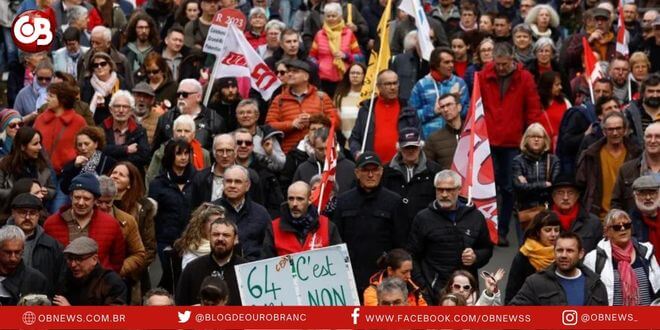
567	218
42	93
334	41
653	225
101	89
92	163
629	286
539	255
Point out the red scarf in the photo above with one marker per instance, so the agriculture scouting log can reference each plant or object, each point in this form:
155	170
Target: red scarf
629	287
437	76
654	232
198	155
567	218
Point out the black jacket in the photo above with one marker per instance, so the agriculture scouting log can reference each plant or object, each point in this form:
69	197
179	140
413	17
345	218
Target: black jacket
294	158
410	69
252	220
535	171
187	291
271	191
370	223
25	280
135	134
208	123
589	228
437	243
574	123
520	270
102	287
202	187
70	171
345	176
416	192
47	256
544	289
87	92
173	207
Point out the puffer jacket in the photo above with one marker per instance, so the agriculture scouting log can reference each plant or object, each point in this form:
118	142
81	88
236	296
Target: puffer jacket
535	170
370	294
415	187
322	53
437	243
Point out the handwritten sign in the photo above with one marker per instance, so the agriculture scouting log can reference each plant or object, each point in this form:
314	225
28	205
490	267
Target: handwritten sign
218	31
321	277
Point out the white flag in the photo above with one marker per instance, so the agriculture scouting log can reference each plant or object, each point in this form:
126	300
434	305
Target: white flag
239	59
415	9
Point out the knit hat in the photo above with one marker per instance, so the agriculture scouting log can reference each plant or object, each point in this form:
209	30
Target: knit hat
6	116
225	82
86	181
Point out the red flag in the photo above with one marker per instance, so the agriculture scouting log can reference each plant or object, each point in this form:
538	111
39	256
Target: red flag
621	36
322	196
591	68
473	162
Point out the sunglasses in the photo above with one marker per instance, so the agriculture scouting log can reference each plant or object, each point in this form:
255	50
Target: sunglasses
281	72
13	125
76	258
184	94
464	287
99	65
246	143
622	227
46	79
151	72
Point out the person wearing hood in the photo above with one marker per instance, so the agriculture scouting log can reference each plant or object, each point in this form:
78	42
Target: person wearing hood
410	173
447	235
10	122
300	228
33	96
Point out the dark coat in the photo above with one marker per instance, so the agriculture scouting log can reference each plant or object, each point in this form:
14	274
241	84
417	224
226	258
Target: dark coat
87	92
519	271
192	276
202	187
577	120
135	134
418	191
589	228
70	171
123	68
47	256
173	207
208	123
589	173
622	195
437	243
535	171
25	280
441	146
271	193
345	176
102	287
370	223
544	289
294	158
410	68
252	220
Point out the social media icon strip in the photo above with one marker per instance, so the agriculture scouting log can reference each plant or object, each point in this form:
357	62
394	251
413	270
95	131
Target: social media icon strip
183	317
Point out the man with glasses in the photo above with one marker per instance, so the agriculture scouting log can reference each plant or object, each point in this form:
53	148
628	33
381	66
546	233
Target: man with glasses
86	282
572	215
370	219
142	37
33	96
604	105
41	251
125	139
598	166
441	145
266	139
447	235
382	128
645	216
16	278
189	102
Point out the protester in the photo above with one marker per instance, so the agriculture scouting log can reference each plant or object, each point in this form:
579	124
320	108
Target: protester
398	264
392	291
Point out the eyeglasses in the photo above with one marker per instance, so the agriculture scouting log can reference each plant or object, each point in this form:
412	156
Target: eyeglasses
184	94
390	84
46	79
27	212
281	72
17	124
246	143
71	258
99	65
458	287
121	106
622	227
152	72
647	193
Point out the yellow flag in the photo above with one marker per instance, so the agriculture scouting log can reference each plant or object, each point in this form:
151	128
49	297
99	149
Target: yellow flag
378	61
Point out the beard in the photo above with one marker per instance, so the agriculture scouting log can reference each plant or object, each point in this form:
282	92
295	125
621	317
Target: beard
652	102
221	251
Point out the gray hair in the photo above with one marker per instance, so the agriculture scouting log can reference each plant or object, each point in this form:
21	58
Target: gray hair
45	64
75	13
219	137
317	179
243	170
241	130
275	24
11	232
411	40
107	186
333	7
391	284
502	49
158	291
522	27
184	120
248	102
613	215
448	174
257	11
104	31
534	12
542	42
125	94
194	83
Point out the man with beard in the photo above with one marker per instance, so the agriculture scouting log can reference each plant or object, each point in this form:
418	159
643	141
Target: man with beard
300	228
645	215
223	235
290	50
564	282
646	110
146	111
189	102
142	38
447	235
225	99
619	70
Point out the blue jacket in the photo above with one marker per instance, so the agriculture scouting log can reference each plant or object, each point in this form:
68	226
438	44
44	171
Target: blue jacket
426	92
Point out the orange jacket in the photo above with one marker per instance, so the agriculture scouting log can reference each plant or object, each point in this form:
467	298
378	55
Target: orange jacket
58	135
371	296
286	107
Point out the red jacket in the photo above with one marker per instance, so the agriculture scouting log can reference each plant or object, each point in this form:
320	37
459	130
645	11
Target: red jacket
287	242
103	228
507	117
58	135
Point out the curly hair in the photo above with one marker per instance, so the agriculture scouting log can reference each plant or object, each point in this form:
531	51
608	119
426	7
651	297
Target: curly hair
131	34
192	236
95	134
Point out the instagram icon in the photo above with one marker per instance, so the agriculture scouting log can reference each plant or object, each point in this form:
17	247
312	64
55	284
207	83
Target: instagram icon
569	317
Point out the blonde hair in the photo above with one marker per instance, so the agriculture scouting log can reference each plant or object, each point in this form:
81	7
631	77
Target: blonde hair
614	214
639	57
534	128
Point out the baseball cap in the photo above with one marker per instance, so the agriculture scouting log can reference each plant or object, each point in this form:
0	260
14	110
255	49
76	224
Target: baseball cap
409	136
368	157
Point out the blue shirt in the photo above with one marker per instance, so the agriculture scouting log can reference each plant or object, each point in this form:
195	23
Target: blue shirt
574	289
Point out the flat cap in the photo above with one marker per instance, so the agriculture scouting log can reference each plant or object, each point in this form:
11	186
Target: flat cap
26	201
82	246
144	88
646	182
299	64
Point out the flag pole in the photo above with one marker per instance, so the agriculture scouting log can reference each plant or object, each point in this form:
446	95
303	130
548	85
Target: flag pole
629	89
209	87
371	105
591	90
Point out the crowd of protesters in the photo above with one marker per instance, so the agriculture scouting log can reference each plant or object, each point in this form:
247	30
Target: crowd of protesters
113	168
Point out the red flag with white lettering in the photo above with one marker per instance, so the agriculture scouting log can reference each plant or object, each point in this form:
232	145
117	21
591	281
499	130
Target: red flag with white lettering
473	162
322	196
591	68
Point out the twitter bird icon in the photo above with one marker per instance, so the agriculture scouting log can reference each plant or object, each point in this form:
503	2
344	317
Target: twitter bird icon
184	317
